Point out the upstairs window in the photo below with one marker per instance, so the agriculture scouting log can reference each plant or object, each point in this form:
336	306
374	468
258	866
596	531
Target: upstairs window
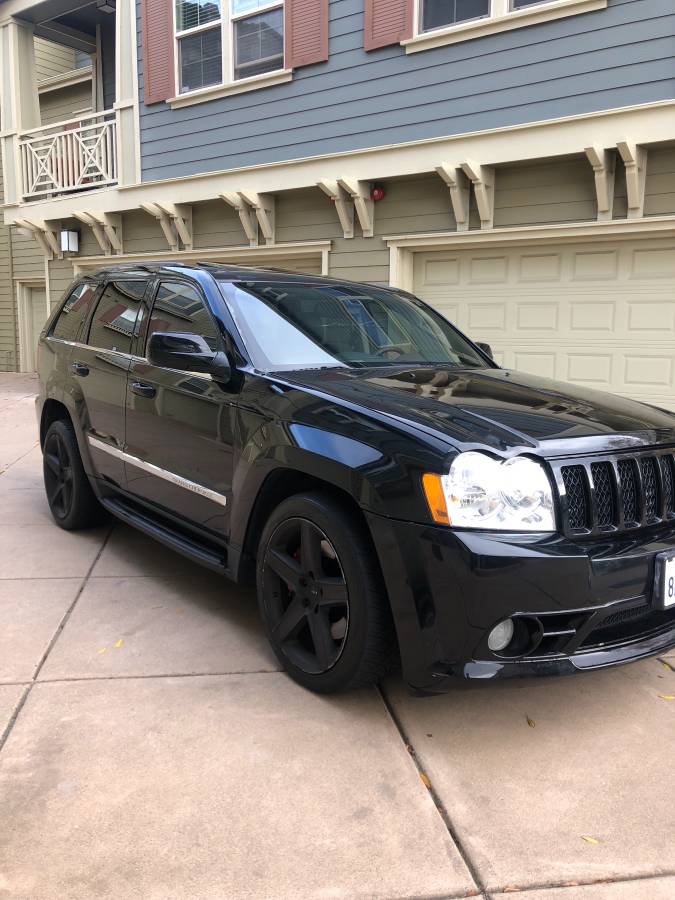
445	13
439	13
227	41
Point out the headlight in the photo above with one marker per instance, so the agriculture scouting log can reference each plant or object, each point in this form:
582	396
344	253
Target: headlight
482	492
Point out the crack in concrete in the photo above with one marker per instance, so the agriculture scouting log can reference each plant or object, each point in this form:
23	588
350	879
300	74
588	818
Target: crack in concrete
50	646
471	866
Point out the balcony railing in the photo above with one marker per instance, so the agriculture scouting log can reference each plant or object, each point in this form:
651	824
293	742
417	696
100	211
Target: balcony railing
69	156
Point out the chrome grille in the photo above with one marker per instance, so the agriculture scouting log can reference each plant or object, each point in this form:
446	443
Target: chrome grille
620	493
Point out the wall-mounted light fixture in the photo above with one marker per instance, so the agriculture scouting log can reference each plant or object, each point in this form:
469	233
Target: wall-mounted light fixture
70	241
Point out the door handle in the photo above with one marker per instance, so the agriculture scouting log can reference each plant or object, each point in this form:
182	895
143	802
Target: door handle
143	389
79	369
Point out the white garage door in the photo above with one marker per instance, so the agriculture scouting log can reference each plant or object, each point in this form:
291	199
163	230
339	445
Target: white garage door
597	314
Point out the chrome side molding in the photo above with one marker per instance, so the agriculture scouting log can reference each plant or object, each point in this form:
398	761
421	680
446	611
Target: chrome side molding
152	469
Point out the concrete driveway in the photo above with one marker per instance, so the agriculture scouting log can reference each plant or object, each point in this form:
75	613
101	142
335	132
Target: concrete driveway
150	748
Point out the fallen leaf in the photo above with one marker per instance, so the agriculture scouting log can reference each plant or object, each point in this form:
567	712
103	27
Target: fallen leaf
589	839
511	889
425	780
429	735
667	696
530	722
103	649
119	643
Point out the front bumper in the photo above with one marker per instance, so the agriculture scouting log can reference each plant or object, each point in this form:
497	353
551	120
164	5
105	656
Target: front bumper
586	604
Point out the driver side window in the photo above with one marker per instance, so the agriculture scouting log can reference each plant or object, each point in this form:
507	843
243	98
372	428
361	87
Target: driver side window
178	307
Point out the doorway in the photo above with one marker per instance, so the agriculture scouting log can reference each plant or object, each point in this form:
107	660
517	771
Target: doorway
32	307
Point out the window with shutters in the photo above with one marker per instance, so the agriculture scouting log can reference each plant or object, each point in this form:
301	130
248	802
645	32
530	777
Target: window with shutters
226	42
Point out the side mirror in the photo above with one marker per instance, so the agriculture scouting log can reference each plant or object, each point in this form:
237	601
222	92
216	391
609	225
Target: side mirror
486	348
187	353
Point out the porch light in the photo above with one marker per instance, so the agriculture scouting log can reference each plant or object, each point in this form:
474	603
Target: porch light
70	241
106	6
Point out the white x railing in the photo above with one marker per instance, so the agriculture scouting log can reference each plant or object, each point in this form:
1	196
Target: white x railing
69	156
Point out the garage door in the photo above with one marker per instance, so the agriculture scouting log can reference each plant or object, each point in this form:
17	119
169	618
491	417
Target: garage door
597	314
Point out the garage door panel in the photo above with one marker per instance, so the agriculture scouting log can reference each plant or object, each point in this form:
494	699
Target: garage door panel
595	265
539	268
592	369
654	263
600	315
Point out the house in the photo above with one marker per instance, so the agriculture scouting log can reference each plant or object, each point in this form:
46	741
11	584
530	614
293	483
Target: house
510	161
65	82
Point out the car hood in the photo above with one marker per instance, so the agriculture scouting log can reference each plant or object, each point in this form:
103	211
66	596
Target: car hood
506	410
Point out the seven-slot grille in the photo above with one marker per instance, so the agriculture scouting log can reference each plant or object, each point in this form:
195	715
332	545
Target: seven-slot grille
617	494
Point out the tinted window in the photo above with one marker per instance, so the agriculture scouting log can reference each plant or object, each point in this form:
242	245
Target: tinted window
179	307
74	312
112	327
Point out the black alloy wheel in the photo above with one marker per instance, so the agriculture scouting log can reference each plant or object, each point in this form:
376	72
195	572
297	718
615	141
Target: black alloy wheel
322	596
71	499
306	596
58	474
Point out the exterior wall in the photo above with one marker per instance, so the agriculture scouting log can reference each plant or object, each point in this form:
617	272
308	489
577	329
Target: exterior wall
616	57
58	106
20	256
52	59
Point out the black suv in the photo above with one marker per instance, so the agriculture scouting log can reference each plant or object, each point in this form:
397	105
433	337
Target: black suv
392	488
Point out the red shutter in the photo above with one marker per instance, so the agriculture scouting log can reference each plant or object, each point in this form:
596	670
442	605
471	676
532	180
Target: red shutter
306	27
387	22
158	42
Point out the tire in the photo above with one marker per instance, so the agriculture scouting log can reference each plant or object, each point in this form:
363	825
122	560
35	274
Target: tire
71	499
331	630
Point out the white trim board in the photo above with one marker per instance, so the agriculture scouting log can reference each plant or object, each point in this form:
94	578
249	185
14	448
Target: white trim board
646	124
256	255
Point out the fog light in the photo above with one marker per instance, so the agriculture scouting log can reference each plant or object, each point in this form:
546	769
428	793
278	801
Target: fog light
500	636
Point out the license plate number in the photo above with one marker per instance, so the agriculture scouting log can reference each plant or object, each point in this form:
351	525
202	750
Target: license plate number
666	580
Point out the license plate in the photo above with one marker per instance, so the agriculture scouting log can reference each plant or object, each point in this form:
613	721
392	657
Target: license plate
665	580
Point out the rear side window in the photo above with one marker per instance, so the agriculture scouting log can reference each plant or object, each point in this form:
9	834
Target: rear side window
179	307
74	312
112	327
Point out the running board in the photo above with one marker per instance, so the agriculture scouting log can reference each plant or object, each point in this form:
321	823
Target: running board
181	543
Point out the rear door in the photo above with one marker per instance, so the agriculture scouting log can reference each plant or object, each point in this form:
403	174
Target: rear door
180	425
99	365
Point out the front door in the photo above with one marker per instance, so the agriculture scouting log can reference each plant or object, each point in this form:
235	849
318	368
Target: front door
180	425
99	364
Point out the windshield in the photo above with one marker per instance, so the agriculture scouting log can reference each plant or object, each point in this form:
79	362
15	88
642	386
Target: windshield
300	326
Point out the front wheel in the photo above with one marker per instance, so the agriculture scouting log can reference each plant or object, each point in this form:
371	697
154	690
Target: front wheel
321	596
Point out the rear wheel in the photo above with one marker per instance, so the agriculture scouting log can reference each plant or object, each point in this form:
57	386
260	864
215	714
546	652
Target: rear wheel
321	596
71	499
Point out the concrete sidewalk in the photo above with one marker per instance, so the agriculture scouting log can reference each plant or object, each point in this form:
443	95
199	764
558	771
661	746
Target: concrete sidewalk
150	748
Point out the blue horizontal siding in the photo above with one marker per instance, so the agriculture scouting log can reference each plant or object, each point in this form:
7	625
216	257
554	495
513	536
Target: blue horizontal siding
610	58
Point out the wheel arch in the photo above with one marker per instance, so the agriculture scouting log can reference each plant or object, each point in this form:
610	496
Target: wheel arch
52	411
280	484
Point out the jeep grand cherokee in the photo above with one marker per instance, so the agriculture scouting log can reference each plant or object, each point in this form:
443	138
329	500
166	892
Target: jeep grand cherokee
395	491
